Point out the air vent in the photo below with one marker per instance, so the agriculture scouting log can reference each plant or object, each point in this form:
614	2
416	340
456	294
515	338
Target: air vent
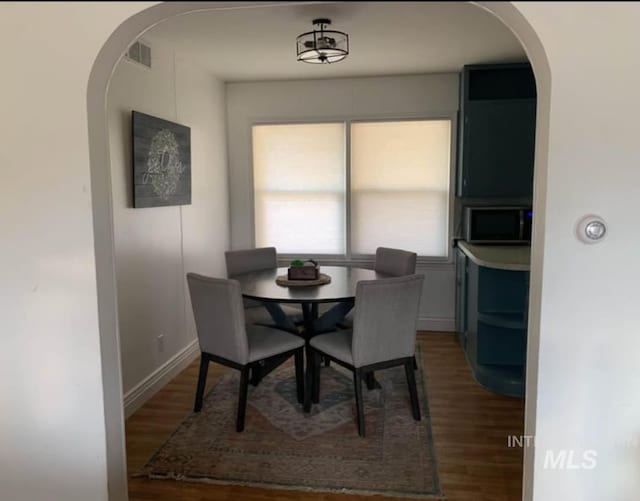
140	53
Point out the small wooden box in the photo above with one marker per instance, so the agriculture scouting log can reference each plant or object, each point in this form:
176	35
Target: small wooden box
308	271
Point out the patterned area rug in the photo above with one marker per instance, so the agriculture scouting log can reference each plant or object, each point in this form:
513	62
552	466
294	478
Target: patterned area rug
282	447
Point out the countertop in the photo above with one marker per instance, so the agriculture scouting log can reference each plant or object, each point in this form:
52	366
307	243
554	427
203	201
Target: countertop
500	257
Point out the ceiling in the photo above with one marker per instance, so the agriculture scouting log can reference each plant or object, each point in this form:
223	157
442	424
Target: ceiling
386	38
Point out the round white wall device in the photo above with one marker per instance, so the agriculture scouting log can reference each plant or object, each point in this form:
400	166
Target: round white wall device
591	229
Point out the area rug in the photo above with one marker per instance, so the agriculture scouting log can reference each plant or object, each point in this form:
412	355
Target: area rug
284	448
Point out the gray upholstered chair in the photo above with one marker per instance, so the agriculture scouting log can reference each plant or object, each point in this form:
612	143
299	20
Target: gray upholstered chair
248	260
395	262
226	339
392	262
256	312
383	336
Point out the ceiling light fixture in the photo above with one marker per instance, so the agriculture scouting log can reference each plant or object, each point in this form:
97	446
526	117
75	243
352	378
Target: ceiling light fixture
322	46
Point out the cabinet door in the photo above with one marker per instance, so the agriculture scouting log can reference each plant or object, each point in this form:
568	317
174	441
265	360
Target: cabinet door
498	148
461	296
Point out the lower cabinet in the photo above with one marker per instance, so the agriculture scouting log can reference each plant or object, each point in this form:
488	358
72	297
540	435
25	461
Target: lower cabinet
493	307
461	296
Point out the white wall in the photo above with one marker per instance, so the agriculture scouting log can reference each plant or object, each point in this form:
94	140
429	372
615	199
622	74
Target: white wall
588	382
155	247
52	428
346	98
52	425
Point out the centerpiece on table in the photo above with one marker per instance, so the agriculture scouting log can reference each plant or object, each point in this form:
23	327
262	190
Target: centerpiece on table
303	274
303	270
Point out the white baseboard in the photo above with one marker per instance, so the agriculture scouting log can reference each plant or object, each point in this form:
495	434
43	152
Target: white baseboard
143	391
437	324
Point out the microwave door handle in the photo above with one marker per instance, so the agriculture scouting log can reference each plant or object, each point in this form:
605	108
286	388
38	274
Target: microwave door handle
522	225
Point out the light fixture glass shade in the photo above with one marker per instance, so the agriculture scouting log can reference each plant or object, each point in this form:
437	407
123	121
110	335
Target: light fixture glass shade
322	46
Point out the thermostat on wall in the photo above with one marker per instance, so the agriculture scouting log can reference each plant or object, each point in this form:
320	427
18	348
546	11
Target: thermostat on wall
591	229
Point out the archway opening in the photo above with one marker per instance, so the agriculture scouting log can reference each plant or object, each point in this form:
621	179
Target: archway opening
102	197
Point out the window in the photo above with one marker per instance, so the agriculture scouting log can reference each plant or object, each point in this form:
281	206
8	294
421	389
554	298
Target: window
400	186
299	180
398	174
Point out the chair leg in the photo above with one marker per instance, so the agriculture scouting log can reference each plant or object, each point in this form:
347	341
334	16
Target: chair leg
242	397
370	379
256	374
413	392
299	375
357	377
316	376
308	391
202	381
327	362
415	363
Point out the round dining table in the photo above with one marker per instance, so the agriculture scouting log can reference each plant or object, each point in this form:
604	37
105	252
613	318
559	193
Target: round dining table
261	285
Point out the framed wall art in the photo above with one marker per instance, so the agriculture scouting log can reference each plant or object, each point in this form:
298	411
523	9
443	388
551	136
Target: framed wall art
161	162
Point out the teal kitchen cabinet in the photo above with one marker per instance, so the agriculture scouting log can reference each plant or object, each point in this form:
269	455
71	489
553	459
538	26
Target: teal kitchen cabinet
496	140
461	297
493	314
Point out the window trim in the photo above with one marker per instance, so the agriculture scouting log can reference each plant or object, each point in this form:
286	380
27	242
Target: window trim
349	257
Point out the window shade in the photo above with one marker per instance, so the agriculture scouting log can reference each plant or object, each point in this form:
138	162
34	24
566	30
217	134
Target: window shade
299	187
400	186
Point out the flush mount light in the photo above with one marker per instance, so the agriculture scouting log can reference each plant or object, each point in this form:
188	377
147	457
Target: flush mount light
322	46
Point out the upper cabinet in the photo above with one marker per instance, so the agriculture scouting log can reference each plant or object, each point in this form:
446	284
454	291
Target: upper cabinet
496	136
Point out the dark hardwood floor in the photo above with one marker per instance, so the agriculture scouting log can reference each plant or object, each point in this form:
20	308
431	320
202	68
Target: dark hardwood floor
470	429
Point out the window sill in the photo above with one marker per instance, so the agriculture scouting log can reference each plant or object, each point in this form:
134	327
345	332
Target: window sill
360	261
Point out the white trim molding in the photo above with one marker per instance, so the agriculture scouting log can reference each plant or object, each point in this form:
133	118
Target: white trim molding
436	324
143	391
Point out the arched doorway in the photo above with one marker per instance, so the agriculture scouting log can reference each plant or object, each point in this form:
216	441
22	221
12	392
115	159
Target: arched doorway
98	84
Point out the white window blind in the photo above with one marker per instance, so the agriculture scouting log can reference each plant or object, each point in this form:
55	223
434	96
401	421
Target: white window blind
299	186
400	186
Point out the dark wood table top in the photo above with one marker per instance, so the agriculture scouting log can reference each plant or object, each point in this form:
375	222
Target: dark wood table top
262	285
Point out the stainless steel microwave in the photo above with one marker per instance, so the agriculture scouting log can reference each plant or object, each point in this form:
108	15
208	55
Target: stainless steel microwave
498	225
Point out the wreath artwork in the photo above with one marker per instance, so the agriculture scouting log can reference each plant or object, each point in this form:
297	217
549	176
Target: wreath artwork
161	162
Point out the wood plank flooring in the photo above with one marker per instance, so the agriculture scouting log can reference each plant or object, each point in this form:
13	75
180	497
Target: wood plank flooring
470	429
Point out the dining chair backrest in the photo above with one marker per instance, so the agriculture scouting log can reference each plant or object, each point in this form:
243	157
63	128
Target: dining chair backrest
395	262
385	319
219	315
248	260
